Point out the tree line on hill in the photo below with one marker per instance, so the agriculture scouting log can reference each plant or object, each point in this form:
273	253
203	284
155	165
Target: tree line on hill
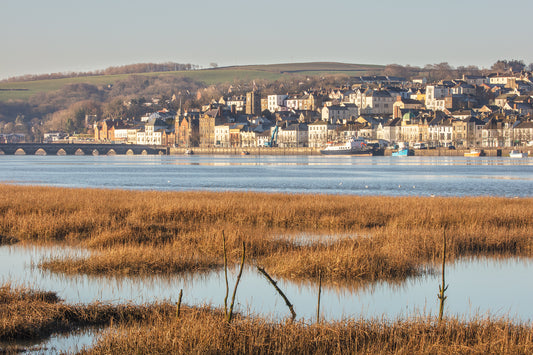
137	68
444	71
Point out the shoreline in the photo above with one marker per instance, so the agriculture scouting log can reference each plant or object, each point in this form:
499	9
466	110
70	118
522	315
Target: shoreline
444	152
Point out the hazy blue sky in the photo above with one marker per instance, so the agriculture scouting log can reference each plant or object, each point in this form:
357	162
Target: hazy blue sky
39	36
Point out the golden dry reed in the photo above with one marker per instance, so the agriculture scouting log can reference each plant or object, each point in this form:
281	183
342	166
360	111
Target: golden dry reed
148	231
155	329
28	314
203	331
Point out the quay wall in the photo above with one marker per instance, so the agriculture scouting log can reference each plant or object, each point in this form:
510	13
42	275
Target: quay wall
251	151
490	152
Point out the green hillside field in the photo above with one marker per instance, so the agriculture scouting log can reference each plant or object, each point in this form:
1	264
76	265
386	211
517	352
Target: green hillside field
24	90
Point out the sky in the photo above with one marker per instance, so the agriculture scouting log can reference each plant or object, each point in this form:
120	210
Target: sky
38	37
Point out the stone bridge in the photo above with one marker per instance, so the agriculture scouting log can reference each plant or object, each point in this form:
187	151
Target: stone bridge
78	149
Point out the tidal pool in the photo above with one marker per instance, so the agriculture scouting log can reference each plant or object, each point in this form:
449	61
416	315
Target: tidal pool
69	343
477	287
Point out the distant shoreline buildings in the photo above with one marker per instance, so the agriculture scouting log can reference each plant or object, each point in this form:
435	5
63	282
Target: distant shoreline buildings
474	111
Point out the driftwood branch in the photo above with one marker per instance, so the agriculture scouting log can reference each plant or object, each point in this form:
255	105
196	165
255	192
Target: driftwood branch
274	283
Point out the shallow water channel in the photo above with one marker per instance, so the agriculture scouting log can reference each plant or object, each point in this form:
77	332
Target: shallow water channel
477	287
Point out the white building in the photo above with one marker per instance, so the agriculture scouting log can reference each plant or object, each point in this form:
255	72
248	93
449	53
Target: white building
222	137
503	79
435	95
121	135
153	131
339	113
275	102
319	133
441	132
141	137
373	102
295	135
292	103
391	130
239	102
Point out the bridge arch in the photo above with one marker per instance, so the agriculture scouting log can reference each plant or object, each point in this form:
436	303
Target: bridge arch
20	151
130	152
79	151
41	151
2	152
144	152
111	152
95	152
61	152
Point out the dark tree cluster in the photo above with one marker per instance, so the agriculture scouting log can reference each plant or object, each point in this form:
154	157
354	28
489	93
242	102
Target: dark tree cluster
513	65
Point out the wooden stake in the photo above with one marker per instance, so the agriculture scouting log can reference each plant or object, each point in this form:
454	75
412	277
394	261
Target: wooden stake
225	274
443	287
179	304
230	314
319	292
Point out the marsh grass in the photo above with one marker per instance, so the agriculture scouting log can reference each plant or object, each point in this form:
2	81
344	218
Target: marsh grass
29	314
149	231
133	260
155	329
205	331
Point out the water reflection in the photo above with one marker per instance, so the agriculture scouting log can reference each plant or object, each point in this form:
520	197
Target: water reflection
477	286
71	343
307	239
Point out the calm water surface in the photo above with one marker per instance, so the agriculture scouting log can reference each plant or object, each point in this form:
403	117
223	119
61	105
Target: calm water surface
392	176
472	289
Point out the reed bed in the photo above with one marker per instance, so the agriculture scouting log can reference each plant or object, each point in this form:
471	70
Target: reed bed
134	261
28	314
204	331
156	329
153	231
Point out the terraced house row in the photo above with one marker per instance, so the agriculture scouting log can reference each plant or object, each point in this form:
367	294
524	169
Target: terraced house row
474	111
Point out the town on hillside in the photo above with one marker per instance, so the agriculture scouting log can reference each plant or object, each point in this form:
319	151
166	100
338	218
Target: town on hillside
494	110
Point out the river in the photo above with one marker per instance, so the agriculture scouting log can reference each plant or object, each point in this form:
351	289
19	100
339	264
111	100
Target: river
385	176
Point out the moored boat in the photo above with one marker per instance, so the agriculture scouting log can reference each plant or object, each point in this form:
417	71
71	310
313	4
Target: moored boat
518	154
355	146
473	153
402	152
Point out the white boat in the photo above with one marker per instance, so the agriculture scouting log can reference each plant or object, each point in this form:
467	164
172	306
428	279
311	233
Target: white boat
355	146
517	154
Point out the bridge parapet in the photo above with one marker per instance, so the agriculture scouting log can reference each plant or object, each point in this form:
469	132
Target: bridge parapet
79	149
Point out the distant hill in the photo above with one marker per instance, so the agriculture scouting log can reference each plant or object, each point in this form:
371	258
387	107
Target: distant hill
311	67
24	89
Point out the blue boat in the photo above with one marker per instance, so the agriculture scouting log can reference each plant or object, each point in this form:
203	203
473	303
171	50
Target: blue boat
402	152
